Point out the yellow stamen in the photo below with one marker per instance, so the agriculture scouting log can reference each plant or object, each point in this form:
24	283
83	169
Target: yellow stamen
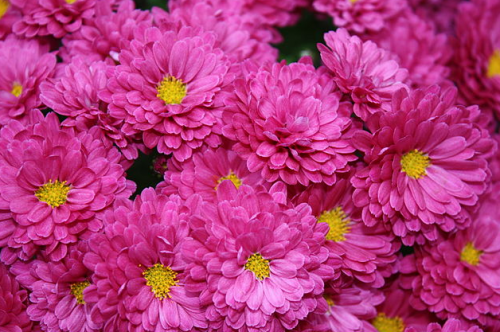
77	290
494	64
53	193
386	324
4	6
258	265
470	254
234	179
70	1
414	164
17	89
329	300
338	222
171	90
160	278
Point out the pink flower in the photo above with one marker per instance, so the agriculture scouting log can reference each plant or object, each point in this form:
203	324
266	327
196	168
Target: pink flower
360	15
203	173
52	17
53	184
368	254
363	71
426	166
139	279
56	291
289	124
477	53
8	16
166	88
25	64
13	317
459	277
256	264
451	325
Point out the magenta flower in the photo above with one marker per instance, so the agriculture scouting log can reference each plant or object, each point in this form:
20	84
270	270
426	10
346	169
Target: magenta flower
426	166
53	184
451	325
52	17
8	16
289	124
368	254
139	279
203	174
363	71
56	291
458	277
360	15
13	317
26	64
166	88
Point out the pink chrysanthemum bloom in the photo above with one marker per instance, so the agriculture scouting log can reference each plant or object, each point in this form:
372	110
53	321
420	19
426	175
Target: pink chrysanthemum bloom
167	88
363	71
477	53
289	124
368	254
8	16
139	279
53	184
25	64
349	310
424	53
451	325
459	277
203	173
360	15
52	17
13	317
426	165
256	264
103	36
74	94
56	291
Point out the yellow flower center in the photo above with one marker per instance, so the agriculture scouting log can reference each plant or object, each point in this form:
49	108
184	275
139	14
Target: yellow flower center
77	290
17	88
338	222
171	90
385	324
258	265
329	300
160	278
53	193
353	1
414	164
71	1
234	179
470	254
4	6
494	64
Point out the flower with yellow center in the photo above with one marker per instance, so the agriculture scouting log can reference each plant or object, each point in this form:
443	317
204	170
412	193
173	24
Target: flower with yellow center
234	179
470	254
338	222
386	324
414	164
171	90
77	290
53	193
258	265
494	65
17	89
4	6
160	278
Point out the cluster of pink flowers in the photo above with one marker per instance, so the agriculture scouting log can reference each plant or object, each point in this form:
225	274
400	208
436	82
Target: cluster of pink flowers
358	194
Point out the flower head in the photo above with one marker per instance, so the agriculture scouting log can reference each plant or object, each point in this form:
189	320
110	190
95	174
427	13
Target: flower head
12	304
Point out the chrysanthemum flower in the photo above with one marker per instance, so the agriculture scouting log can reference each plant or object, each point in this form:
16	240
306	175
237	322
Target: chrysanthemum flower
289	124
363	71
459	277
167	89
13	317
256	264
426	166
477	53
368	254
54	183
56	291
52	17
451	325
8	16
203	173
25	64
139	279
360	15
